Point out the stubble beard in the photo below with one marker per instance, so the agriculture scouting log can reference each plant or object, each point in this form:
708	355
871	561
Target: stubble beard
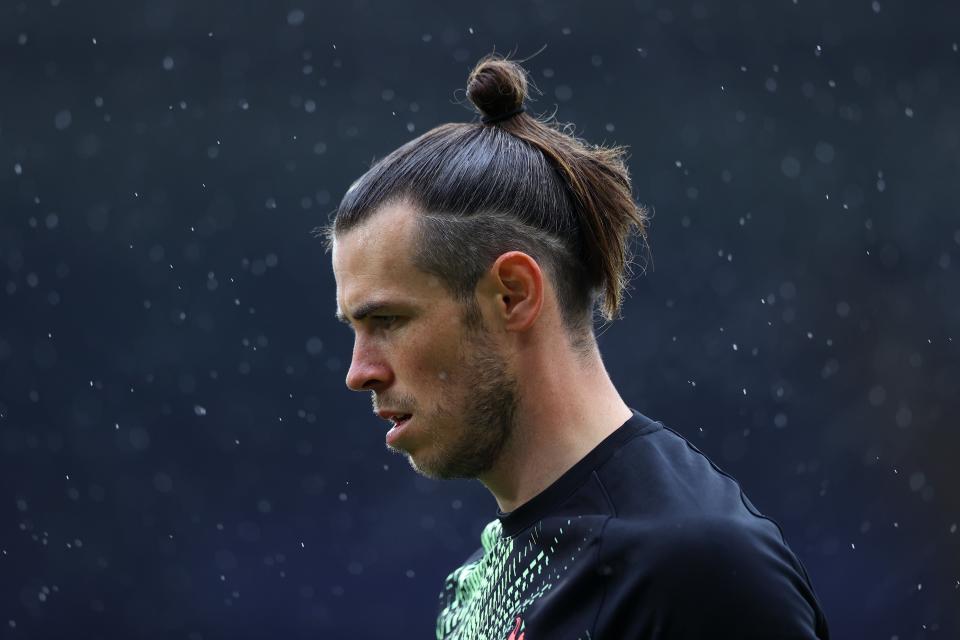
475	439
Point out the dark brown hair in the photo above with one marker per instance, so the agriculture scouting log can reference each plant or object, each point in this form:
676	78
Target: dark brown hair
518	183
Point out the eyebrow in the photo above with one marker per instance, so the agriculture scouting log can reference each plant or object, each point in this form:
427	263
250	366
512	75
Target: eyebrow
364	310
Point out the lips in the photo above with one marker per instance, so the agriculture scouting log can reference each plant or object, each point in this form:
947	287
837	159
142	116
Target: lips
400	422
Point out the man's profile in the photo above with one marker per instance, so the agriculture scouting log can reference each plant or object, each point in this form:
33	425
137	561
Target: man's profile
469	263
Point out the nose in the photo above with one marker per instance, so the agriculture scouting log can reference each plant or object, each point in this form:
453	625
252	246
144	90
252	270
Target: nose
368	369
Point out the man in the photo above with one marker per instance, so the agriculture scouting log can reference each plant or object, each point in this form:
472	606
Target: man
469	263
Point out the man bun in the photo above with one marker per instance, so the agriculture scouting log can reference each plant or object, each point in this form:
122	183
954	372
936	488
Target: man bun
497	87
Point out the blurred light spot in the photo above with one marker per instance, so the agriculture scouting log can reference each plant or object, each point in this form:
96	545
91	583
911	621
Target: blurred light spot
904	416
295	18
314	346
917	481
790	166
162	482
139	438
824	152
62	120
877	396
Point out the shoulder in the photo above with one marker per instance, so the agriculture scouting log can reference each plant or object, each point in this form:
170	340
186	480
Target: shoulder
699	541
665	475
695	573
696	553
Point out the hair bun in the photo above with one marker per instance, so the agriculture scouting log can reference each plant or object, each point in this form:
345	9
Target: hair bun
497	86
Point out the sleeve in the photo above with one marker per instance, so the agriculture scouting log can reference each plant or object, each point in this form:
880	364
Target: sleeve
706	578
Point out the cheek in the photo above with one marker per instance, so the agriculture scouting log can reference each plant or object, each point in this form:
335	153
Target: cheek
439	371
433	361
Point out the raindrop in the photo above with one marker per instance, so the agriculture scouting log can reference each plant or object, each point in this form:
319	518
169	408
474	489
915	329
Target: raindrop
790	166
904	416
824	152
62	120
314	346
162	482
917	481
295	18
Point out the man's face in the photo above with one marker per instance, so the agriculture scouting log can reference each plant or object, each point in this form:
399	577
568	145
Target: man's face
415	354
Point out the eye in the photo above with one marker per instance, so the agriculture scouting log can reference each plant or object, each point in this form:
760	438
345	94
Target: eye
385	320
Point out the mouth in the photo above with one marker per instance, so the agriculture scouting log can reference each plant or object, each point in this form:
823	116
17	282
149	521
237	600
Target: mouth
400	419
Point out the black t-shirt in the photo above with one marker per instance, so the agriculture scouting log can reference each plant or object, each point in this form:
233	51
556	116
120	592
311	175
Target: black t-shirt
644	538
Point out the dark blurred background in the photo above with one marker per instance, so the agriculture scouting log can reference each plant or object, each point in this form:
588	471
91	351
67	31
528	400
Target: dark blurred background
179	456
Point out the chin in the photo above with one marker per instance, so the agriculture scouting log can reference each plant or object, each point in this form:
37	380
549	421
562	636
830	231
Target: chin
425	471
432	469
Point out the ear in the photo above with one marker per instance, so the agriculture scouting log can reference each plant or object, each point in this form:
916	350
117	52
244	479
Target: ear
519	289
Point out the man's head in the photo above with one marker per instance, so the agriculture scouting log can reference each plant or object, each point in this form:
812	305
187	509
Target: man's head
486	239
419	351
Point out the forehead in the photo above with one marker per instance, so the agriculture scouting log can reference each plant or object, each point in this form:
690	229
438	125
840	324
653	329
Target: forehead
373	260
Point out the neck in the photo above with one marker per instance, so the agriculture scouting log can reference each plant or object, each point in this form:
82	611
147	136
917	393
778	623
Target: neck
567	408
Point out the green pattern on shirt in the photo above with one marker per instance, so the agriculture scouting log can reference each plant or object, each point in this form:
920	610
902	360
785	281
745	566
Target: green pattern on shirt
484	597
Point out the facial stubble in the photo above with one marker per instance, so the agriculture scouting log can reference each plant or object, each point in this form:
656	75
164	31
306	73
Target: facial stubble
472	440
